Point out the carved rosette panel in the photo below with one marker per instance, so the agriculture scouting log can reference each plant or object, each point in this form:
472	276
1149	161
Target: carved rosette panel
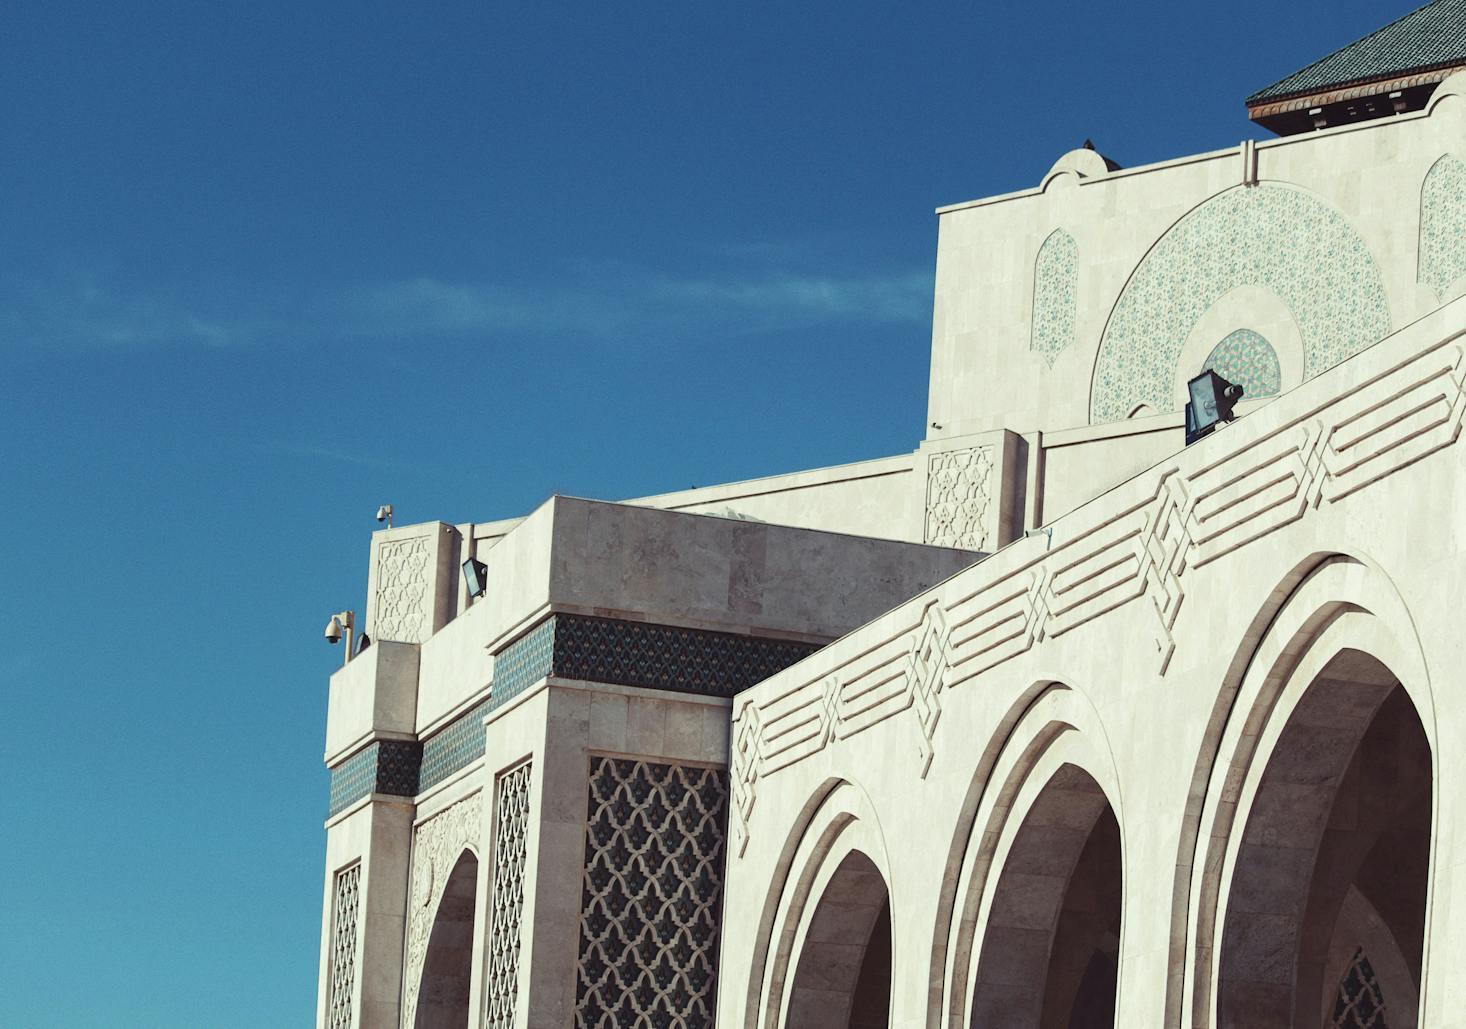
958	491
652	895
402	607
511	828
1360	1003
1443	226
344	905
436	846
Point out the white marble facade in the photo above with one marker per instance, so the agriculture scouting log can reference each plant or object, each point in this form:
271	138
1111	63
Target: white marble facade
1049	722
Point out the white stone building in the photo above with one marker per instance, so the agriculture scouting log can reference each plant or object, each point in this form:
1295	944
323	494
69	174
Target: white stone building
1051	722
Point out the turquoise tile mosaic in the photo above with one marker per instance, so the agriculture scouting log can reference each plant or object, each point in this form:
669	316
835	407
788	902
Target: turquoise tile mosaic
608	650
383	766
666	657
455	746
1248	359
1280	238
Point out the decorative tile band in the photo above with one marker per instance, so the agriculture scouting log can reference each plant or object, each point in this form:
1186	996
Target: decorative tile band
609	650
665	657
382	766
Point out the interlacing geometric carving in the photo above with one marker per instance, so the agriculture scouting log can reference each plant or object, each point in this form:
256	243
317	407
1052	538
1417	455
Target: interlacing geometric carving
511	804
401	610
436	847
1443	227
1276	237
1055	295
652	896
957	497
1202	506
347	894
1360	1003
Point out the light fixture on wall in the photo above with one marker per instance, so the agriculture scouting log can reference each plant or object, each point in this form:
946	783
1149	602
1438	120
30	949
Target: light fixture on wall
1212	400
384	514
343	624
475	576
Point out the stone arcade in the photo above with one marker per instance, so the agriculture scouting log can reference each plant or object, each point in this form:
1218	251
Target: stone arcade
1048	723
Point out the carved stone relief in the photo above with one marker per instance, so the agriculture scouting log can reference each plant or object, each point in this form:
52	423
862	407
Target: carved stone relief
958	492
436	846
402	610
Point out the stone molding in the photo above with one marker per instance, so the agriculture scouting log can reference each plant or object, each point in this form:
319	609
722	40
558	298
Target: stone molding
1132	545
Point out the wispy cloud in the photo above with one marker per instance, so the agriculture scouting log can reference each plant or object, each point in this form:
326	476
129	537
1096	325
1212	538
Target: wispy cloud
588	301
82	313
601	305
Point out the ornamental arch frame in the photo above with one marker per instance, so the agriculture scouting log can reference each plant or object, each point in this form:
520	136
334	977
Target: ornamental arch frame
1050	726
1327	605
839	819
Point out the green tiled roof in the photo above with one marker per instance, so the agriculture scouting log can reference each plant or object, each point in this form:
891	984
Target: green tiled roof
1431	37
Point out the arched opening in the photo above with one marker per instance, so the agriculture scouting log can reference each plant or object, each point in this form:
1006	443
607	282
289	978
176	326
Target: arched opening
1329	881
843	977
442	1000
1050	953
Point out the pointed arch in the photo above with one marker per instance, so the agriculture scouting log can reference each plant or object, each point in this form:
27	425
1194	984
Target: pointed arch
1055	295
1442	260
442	995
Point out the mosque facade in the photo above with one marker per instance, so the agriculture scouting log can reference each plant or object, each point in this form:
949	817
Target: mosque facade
1053	721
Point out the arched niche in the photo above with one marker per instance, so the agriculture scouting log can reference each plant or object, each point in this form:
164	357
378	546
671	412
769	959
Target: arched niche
442	997
1274	236
1339	798
842	979
1050	950
1255	309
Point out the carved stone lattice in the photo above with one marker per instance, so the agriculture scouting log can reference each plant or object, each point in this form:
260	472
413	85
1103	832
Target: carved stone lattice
436	847
401	610
652	896
1360	1003
344	905
957	497
511	825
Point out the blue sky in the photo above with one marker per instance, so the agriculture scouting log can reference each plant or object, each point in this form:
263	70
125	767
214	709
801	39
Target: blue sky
266	266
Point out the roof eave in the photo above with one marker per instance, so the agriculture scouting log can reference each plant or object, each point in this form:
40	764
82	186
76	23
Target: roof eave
1351	90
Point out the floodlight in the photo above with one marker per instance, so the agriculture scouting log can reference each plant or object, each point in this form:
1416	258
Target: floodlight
476	576
1212	400
362	643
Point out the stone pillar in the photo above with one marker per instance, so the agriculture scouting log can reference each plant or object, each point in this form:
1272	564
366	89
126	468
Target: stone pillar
362	925
604	750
